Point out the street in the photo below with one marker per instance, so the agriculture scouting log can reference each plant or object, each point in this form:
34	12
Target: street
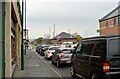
37	66
63	71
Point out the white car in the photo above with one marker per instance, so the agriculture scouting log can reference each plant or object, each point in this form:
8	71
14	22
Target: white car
50	51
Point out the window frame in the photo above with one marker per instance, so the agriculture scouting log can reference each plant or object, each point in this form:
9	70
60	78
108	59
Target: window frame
115	21
107	23
118	20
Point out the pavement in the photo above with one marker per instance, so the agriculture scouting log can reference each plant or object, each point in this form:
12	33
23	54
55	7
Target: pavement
35	67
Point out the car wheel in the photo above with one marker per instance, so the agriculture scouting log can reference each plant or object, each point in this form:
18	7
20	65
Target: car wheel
53	62
45	57
94	76
58	64
72	71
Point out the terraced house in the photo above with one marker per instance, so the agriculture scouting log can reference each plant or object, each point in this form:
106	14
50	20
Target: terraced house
110	24
10	37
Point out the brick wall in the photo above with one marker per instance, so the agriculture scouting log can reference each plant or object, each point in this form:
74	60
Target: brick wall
111	29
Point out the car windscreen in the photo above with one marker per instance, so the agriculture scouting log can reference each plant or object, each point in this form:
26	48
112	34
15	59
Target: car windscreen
66	51
114	48
53	48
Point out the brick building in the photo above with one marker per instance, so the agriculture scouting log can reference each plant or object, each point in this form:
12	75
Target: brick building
110	24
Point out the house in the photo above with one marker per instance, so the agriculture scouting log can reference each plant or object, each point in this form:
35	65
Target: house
110	24
63	37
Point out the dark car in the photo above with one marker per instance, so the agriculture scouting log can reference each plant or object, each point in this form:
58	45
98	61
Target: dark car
42	49
37	48
62	56
97	58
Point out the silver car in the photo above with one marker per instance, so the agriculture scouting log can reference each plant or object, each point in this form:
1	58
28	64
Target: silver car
62	56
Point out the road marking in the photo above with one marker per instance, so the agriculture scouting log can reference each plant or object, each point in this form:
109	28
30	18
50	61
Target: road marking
37	65
50	66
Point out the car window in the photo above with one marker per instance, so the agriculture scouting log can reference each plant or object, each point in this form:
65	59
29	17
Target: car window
86	48
99	52
78	49
113	48
53	48
58	51
100	48
66	51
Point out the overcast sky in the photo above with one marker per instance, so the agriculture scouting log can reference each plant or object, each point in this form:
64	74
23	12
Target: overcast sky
77	15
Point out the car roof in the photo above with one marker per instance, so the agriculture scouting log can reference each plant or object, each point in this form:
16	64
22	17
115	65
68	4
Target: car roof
53	46
64	48
102	37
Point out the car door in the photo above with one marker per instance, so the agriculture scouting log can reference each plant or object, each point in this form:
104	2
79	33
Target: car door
84	63
76	58
55	56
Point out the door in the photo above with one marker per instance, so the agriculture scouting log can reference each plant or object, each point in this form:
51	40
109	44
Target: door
114	54
76	58
54	57
85	53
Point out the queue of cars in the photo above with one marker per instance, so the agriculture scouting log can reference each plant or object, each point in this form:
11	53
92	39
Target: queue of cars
41	49
92	58
58	55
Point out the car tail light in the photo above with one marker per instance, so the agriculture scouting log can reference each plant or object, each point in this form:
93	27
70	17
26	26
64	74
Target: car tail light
49	52
61	55
106	67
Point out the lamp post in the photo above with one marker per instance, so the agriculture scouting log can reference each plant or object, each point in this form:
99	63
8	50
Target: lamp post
22	45
3	40
25	28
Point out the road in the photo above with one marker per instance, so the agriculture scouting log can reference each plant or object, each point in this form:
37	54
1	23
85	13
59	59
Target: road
63	72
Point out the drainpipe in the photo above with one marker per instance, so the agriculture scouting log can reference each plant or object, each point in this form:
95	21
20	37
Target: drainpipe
22	46
25	27
3	40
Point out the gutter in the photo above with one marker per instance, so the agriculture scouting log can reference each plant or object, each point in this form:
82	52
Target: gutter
3	40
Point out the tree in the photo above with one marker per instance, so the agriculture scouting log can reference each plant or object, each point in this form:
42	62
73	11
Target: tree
39	40
77	36
98	31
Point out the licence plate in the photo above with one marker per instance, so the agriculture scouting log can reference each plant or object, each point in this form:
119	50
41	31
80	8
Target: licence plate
68	61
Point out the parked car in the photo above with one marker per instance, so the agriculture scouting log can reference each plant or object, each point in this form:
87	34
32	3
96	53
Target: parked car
97	58
37	48
61	56
50	52
42	49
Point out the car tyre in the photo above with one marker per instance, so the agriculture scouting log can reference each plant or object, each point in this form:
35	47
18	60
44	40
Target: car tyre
45	57
58	65
94	76
53	62
72	71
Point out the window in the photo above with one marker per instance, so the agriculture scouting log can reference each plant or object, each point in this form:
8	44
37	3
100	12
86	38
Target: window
78	49
106	23
118	20
113	47
114	21
100	50
86	48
